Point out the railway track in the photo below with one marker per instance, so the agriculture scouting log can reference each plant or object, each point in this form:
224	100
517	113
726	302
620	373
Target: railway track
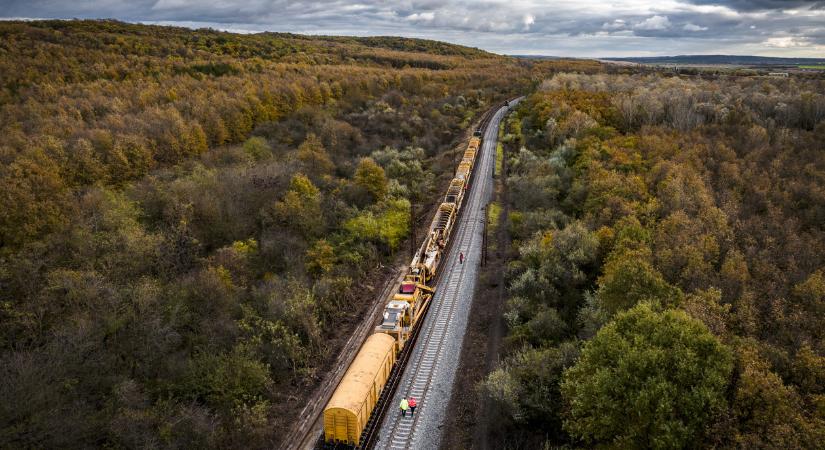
430	371
306	434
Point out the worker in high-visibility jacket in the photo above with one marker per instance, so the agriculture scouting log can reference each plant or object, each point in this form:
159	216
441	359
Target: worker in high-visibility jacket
404	407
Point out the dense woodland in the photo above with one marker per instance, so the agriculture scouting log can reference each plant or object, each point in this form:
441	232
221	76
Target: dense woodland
667	288
191	220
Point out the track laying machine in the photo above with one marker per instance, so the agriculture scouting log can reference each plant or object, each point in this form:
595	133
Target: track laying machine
348	411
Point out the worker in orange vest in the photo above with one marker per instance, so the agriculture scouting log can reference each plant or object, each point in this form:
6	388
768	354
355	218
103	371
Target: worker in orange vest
412	404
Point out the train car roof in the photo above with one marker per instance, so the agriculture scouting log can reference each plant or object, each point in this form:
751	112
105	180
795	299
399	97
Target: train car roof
357	381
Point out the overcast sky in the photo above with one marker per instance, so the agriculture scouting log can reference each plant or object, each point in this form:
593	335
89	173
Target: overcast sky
588	28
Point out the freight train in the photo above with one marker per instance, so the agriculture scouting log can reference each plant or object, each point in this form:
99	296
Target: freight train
348	411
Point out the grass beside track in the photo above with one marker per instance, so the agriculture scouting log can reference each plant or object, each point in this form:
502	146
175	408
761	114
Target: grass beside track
499	149
493	214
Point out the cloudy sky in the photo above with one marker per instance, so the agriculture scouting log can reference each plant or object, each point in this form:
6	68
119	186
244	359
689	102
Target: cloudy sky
589	28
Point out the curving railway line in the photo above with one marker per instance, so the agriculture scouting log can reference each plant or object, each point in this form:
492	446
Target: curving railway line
430	371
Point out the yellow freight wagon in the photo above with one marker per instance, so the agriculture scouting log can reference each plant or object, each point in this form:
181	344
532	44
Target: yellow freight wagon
352	402
464	169
474	143
455	192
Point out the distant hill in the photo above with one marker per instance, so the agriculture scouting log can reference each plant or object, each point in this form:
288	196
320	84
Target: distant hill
738	60
540	57
403	44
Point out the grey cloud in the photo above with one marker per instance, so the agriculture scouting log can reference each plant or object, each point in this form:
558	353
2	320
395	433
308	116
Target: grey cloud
510	27
761	5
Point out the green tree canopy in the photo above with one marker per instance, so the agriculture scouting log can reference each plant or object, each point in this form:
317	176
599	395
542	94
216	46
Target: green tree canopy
258	148
647	380
629	278
388	227
525	388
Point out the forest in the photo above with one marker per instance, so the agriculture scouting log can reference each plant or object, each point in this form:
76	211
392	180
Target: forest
665	286
192	221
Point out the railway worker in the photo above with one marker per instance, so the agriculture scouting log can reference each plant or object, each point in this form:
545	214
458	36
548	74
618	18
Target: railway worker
404	407
461	257
412	404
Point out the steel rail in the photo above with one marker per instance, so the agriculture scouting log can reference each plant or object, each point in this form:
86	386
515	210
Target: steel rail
370	433
401	432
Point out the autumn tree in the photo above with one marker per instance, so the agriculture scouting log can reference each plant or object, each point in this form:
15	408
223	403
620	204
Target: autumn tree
320	257
300	208
371	177
313	157
765	411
